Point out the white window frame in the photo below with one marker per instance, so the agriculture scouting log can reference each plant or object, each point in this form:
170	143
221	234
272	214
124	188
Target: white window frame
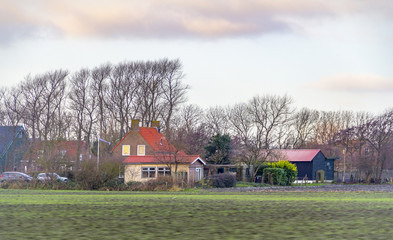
144	150
149	170
122	150
164	171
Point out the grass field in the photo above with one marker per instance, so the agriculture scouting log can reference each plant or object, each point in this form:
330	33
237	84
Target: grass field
34	214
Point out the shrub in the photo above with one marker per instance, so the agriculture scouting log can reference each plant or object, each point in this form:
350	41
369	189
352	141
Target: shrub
157	184
89	179
289	168
274	176
222	180
114	184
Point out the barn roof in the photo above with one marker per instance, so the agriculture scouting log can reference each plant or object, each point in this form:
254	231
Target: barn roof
299	155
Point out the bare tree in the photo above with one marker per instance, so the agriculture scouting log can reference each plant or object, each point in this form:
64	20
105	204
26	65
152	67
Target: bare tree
150	79
33	89
257	124
380	137
100	76
216	121
53	96
189	131
173	89
122	100
83	104
304	127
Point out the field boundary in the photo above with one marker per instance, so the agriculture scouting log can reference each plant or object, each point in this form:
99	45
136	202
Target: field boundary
320	188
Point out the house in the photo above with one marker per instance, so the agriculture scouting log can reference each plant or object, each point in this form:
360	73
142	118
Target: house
310	163
12	141
146	154
53	155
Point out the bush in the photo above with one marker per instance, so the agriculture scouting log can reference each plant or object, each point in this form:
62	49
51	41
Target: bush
222	180
114	184
274	176
89	179
157	184
50	185
289	168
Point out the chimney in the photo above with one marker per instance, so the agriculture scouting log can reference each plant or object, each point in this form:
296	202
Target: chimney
134	125
156	124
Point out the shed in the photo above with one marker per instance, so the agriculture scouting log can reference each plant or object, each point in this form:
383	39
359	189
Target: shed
308	162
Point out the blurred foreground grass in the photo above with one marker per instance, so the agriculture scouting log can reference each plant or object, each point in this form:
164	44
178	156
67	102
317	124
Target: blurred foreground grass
33	214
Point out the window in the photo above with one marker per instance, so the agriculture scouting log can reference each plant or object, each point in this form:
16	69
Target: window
366	150
121	171
40	153
148	172
63	153
141	150
328	165
164	171
126	150
182	175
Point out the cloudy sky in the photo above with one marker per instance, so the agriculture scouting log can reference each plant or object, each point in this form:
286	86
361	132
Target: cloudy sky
327	55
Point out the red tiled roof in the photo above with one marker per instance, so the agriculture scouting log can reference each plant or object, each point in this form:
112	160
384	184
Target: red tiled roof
299	155
156	139
70	147
163	159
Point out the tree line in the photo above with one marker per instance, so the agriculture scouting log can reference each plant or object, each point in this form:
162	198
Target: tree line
59	105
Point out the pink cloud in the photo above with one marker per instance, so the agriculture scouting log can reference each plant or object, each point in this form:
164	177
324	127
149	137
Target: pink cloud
355	83
168	18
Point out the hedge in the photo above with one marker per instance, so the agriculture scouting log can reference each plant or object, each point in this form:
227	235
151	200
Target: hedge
274	176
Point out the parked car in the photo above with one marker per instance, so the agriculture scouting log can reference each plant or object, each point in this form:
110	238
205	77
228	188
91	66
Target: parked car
14	177
44	177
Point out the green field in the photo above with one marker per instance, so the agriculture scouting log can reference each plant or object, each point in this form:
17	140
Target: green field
34	214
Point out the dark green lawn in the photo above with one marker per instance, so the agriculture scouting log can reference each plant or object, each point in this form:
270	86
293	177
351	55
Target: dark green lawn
34	214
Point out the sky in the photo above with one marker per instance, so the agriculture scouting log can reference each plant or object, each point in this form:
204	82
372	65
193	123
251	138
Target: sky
326	55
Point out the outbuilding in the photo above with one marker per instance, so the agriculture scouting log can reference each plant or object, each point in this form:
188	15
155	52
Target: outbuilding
311	164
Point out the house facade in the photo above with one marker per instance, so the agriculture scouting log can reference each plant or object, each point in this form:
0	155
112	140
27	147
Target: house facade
146	154
53	155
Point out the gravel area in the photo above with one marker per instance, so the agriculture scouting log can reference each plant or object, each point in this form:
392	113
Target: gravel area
323	188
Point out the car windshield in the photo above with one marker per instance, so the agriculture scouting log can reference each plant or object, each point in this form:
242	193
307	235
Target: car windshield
24	174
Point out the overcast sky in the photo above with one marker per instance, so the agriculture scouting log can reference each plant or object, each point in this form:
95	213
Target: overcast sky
327	55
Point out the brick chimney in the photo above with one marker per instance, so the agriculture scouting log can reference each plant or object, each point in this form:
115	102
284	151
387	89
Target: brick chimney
134	125
155	124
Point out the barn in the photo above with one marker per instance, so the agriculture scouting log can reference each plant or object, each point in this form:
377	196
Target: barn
311	163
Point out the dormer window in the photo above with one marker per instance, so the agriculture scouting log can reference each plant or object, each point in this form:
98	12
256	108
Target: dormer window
126	150
141	150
